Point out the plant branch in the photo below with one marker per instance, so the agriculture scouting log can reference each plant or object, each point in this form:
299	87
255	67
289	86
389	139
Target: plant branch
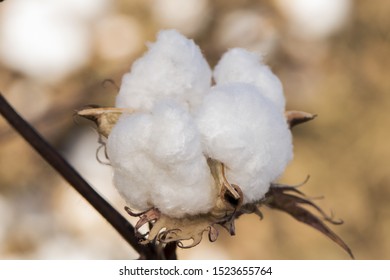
121	225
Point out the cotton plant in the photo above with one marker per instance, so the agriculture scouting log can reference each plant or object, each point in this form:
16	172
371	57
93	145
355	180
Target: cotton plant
194	149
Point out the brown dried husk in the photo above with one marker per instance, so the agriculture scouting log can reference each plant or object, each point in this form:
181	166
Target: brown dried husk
229	202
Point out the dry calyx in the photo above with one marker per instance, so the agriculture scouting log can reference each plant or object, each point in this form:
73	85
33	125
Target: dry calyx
191	156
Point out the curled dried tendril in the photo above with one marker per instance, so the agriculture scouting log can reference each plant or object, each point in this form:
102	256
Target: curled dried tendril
165	229
111	82
229	203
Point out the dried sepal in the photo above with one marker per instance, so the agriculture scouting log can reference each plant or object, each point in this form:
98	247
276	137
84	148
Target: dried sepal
278	197
251	208
229	197
297	117
168	229
148	216
165	229
104	118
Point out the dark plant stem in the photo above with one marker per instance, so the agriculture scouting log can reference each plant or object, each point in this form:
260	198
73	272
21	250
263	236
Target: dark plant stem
170	251
121	225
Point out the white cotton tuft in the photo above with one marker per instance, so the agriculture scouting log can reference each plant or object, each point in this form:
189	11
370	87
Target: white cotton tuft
239	65
245	131
172	68
315	19
158	162
42	39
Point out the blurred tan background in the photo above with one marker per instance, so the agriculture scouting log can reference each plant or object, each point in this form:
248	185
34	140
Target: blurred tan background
331	55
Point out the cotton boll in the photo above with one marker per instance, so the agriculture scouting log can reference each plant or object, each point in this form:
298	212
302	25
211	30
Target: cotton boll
173	68
239	65
84	10
246	132
246	28
315	19
189	16
38	39
158	161
119	37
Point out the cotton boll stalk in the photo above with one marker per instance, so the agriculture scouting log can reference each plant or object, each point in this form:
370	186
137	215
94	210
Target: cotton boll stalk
245	131
239	65
172	68
158	162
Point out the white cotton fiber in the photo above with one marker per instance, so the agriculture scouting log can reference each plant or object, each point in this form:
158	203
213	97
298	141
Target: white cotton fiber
239	65
158	162
245	131
172	68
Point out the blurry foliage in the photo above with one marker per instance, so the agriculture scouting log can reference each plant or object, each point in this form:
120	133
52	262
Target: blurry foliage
342	78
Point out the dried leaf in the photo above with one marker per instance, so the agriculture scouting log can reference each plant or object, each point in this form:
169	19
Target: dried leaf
277	198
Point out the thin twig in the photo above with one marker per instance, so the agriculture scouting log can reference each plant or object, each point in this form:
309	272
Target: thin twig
121	225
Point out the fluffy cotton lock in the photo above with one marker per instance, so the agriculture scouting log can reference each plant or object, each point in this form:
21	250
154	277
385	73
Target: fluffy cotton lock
248	133
158	162
239	65
172	68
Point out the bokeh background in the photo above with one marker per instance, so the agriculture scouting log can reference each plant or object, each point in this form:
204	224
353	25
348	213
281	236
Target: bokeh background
331	55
